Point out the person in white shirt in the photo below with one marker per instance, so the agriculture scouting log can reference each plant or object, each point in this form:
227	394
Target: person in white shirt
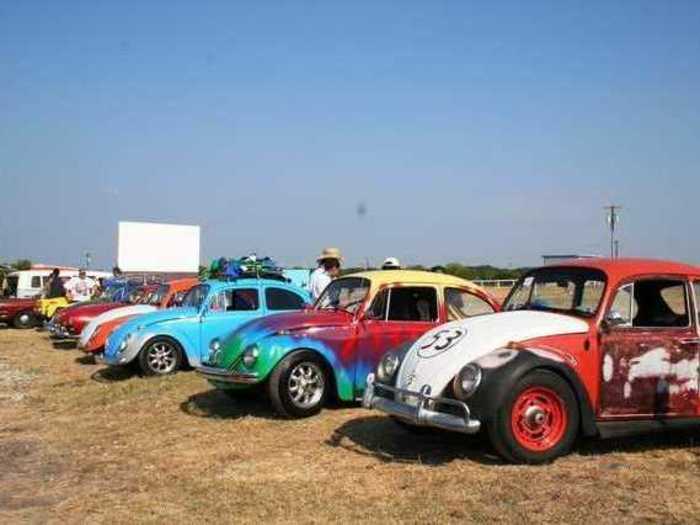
79	288
328	269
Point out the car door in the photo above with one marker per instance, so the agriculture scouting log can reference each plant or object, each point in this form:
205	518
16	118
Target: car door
396	316
227	309
650	351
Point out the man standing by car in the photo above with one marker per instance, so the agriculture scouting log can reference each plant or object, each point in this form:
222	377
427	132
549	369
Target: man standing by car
328	269
55	286
80	288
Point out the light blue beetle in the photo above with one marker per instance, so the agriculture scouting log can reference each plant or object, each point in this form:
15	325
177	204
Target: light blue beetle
161	342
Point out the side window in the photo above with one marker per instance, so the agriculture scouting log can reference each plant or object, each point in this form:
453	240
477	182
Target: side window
653	303
281	299
242	300
461	304
623	308
412	303
219	302
36	281
378	309
235	300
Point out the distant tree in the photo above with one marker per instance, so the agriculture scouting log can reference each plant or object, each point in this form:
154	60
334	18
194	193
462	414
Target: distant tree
22	264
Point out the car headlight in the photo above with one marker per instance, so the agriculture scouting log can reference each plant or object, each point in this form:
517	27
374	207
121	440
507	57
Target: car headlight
214	348
124	343
250	356
388	366
467	381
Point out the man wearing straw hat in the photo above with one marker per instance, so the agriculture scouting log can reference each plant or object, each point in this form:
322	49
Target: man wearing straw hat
328	269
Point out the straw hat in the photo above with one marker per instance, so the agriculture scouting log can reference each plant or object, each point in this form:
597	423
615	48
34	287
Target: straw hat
330	253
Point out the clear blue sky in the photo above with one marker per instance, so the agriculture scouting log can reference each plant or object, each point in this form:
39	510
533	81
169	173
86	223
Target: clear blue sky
480	132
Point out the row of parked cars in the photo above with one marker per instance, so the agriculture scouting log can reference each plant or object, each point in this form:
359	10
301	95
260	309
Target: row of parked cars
592	347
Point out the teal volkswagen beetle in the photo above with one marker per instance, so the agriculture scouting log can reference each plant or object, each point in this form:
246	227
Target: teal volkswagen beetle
161	342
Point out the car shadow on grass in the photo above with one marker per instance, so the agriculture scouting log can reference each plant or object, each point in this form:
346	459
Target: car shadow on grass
216	404
86	359
386	440
666	440
64	345
113	374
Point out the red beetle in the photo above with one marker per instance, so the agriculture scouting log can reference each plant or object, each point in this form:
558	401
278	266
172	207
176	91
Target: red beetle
595	347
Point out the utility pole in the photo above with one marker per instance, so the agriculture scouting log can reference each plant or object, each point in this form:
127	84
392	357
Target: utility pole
613	218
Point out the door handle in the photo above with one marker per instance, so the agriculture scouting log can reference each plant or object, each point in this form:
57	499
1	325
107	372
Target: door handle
690	341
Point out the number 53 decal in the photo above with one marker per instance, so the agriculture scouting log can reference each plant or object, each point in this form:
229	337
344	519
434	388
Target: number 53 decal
440	341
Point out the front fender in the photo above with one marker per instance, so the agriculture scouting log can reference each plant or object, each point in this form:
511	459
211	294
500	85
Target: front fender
503	368
275	348
144	336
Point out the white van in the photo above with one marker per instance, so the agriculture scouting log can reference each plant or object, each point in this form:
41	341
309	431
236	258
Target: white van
26	284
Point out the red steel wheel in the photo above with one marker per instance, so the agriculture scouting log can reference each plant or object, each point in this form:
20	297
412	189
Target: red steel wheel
538	419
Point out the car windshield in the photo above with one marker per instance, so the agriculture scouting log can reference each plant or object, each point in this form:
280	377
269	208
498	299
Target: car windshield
344	294
195	297
109	293
156	297
576	291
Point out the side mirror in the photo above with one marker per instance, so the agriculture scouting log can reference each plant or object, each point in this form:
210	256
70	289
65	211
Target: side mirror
612	319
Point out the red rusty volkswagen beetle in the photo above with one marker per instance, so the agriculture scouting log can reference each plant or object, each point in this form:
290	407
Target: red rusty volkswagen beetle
595	347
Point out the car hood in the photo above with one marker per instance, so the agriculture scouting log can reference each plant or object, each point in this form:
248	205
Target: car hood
13	302
294	322
92	309
115	313
439	354
160	316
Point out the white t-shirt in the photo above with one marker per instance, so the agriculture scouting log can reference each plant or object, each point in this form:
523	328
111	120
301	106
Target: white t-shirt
318	282
78	289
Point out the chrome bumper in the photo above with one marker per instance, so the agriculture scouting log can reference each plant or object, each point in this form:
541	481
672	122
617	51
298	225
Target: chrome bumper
59	332
423	413
223	375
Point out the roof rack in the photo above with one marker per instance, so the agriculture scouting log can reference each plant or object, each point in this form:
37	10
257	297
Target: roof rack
250	267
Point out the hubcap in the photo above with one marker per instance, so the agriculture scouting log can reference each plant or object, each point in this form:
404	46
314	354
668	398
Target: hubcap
24	319
161	357
306	385
539	419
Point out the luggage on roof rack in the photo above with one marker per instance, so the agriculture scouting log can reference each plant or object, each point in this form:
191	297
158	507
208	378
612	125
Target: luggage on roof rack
246	267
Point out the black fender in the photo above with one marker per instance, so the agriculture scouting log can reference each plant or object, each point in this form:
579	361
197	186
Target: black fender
498	380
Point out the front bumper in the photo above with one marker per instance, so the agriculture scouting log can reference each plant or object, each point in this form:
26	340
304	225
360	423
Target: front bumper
61	332
425	412
223	375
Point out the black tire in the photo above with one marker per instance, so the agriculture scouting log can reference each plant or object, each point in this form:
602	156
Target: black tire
160	356
24	320
558	427
288	374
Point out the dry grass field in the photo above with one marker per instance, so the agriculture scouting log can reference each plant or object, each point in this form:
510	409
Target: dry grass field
79	443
